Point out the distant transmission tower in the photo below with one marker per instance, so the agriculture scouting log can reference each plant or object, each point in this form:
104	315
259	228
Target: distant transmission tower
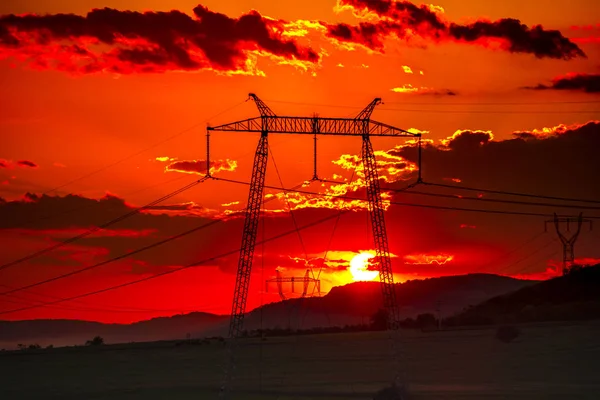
568	243
306	280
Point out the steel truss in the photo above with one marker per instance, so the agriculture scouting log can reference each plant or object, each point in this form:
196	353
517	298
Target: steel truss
361	126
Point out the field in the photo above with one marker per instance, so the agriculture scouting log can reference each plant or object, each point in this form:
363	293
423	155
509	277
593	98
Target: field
554	361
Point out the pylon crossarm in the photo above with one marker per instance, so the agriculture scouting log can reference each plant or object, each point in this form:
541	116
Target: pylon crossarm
263	109
368	110
313	125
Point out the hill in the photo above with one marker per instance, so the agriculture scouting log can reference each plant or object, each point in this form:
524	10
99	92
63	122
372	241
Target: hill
71	332
355	303
572	297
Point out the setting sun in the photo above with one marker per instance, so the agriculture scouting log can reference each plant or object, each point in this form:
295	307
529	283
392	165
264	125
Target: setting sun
358	267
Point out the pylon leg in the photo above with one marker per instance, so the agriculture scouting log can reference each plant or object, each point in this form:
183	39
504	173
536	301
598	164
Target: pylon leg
380	235
242	281
255	196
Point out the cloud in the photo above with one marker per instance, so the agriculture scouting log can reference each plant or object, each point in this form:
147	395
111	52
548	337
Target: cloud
199	166
408	88
128	42
26	164
405	20
551	161
7	164
588	83
420	259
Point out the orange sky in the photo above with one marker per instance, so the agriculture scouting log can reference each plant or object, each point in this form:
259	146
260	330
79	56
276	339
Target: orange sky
60	123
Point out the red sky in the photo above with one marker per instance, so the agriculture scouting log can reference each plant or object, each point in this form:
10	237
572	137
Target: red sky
108	102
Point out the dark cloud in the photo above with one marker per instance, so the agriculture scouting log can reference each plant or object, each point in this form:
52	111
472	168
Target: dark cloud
4	164
588	83
553	161
145	42
519	38
26	164
199	166
400	17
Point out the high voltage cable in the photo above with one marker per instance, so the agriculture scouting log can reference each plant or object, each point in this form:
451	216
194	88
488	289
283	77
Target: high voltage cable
596	112
142	151
519	247
122	256
531	214
72	210
288	205
195	264
85	306
452	111
295	230
526	203
100	227
511	193
91	308
552	241
440	104
111	260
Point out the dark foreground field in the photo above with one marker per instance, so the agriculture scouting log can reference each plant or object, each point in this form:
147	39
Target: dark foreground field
545	362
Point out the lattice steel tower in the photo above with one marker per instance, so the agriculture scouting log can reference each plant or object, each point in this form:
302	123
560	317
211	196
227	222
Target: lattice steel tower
361	126
568	242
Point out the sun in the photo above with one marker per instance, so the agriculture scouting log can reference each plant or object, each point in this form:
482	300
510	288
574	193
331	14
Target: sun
358	267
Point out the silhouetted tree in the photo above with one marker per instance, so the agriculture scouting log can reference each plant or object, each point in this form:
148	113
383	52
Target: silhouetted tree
97	341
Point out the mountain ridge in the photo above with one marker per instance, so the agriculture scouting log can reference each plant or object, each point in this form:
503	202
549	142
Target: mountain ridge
344	305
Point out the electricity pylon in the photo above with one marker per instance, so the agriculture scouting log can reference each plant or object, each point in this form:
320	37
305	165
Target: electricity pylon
306	280
360	126
568	242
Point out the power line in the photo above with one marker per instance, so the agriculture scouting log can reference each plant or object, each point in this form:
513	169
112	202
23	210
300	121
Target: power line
100	227
522	245
195	264
295	230
122	256
511	193
118	310
450	196
72	210
537	103
595	112
530	214
113	259
293	217
459	111
141	151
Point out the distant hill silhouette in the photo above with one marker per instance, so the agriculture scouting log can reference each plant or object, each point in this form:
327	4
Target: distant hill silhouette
356	302
572	297
72	332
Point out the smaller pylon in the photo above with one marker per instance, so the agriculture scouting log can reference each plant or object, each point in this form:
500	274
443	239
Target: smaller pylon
306	280
568	242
